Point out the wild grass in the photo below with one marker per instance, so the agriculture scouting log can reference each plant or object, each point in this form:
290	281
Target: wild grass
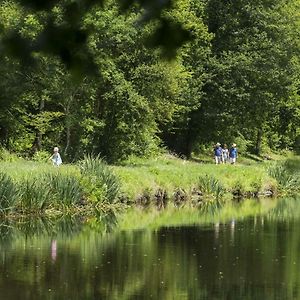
65	188
8	193
286	174
209	185
161	181
41	187
171	174
35	194
105	184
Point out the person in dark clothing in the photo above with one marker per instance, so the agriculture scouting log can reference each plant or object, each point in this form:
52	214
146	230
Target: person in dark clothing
233	154
218	153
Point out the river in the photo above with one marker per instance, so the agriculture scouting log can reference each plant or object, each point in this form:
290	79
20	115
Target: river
234	257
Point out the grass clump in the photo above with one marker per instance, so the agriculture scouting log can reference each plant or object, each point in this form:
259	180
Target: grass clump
287	180
210	186
104	185
66	189
35	194
8	193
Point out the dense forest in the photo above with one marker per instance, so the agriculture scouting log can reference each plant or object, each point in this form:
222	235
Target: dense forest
131	78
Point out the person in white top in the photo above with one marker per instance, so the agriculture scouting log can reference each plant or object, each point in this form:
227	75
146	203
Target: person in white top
56	159
225	154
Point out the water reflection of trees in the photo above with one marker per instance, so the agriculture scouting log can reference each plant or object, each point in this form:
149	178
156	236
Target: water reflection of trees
286	209
235	259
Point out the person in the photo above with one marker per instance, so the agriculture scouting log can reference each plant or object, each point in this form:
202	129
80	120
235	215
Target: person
233	154
225	154
218	153
56	159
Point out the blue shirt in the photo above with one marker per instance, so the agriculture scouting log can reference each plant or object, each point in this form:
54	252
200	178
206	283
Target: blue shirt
218	151
233	152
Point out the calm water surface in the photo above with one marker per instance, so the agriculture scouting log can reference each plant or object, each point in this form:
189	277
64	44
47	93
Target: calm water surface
254	258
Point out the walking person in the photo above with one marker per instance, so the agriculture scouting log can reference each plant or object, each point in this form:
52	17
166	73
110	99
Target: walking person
56	159
225	154
233	154
218	153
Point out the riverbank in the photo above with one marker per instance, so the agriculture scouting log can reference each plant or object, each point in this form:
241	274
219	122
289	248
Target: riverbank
145	178
91	187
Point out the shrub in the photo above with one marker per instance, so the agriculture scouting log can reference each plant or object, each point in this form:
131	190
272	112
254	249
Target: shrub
41	156
7	156
238	189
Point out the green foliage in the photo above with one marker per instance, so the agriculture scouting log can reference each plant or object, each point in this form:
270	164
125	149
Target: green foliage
35	194
8	193
235	80
65	188
286	180
242	143
41	156
5	155
209	185
104	185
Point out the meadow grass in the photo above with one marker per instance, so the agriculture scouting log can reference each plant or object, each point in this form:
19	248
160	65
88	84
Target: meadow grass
158	181
8	193
172	173
29	187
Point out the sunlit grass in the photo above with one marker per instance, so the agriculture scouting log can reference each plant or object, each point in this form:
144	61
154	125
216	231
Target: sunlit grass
104	180
172	173
41	186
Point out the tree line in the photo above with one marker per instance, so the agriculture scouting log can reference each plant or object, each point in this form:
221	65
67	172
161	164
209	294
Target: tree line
118	81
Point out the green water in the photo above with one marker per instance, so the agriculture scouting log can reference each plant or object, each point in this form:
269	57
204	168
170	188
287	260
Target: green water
253	257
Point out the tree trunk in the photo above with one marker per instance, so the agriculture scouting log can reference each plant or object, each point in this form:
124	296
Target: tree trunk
258	141
37	144
68	125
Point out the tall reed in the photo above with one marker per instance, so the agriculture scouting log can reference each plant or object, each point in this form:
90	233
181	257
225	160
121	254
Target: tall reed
35	194
210	186
8	193
103	179
65	188
286	179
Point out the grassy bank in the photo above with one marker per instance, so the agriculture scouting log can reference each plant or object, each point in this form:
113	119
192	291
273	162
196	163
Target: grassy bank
91	187
171	174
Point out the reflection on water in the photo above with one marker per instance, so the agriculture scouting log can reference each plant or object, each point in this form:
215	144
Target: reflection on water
234	258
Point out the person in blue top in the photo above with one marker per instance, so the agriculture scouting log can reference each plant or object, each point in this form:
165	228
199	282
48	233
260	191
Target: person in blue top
233	154
56	159
218	153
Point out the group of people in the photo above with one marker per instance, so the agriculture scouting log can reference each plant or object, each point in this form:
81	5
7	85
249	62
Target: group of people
224	155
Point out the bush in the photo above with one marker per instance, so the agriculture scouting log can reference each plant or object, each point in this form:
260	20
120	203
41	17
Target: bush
41	156
7	156
242	143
